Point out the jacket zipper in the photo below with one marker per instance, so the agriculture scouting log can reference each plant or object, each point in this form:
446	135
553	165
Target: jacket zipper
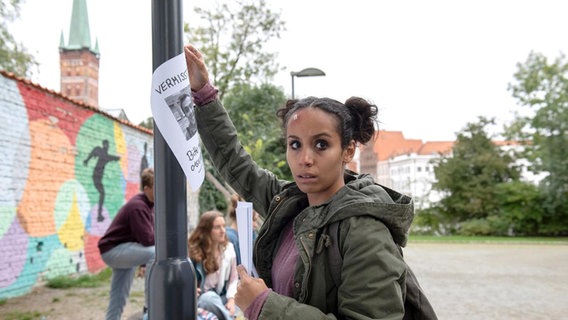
279	200
307	271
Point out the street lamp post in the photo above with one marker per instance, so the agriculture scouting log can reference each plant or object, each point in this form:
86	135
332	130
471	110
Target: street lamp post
172	286
308	72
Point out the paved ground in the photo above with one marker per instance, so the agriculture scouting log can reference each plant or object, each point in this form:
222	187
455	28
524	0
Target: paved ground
463	281
493	281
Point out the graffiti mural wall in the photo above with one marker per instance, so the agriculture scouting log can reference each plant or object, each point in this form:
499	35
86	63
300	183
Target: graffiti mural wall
65	170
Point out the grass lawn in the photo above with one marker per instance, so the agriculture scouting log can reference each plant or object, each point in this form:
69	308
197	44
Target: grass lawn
479	239
82	281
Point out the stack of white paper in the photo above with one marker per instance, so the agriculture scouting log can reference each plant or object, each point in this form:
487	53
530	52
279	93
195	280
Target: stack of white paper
245	230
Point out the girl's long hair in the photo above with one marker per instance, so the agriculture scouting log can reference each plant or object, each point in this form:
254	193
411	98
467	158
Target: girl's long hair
200	245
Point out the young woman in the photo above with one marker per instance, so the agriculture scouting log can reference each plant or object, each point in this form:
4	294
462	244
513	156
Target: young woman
214	259
290	252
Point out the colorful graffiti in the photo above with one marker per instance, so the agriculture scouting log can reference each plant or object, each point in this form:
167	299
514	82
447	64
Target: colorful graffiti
65	171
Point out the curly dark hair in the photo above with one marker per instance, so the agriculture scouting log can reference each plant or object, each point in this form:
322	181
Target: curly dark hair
357	117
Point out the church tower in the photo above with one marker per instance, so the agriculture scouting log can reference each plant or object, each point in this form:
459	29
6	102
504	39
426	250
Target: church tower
78	60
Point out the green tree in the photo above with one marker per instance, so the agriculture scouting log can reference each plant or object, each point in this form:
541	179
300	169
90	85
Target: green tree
210	195
148	123
542	87
520	209
233	42
232	38
470	176
253	111
13	55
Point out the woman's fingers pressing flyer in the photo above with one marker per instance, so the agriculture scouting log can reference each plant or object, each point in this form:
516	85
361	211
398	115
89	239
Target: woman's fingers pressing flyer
248	289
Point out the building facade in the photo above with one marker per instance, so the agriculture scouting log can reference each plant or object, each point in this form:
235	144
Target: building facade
407	165
404	164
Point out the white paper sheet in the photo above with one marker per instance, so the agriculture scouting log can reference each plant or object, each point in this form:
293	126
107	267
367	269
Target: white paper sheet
173	112
245	230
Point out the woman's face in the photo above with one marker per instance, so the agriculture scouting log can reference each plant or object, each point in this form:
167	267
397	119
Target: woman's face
218	230
314	153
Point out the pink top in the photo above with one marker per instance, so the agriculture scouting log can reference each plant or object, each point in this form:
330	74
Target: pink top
283	268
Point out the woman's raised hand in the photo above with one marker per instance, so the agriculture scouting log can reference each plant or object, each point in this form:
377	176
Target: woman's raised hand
198	76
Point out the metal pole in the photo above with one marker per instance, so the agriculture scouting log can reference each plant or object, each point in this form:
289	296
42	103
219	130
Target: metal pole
292	75
171	281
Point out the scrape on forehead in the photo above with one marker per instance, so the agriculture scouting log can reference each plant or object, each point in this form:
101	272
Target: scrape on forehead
297	113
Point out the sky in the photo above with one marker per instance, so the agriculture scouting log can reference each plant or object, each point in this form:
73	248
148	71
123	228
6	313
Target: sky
430	66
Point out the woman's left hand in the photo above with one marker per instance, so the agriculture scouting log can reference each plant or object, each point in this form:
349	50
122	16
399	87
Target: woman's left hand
248	289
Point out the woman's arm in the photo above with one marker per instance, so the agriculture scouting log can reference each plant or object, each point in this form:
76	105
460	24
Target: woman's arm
373	272
219	137
233	278
230	265
236	166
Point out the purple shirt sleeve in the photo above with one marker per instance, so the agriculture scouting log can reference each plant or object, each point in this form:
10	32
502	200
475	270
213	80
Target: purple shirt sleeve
205	95
253	310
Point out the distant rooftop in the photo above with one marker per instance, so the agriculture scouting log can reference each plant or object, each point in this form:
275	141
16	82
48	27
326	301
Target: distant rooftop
117	113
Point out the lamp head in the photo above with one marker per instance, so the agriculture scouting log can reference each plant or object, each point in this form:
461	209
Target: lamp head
308	72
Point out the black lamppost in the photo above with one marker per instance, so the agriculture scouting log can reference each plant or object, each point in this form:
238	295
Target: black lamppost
171	282
308	72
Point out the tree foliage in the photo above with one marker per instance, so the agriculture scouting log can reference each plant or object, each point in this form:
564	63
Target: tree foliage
470	177
542	87
233	40
253	111
210	197
148	123
13	55
520	209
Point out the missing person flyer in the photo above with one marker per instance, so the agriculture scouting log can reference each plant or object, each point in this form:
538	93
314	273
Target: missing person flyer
173	112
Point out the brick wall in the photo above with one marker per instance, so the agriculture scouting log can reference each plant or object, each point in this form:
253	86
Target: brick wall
65	170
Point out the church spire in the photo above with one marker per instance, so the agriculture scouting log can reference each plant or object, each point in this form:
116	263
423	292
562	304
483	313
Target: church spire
78	60
79	31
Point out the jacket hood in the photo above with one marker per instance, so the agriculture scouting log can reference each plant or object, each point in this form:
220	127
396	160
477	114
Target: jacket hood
361	196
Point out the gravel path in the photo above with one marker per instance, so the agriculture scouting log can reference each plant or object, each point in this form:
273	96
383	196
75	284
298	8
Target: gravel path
462	281
493	281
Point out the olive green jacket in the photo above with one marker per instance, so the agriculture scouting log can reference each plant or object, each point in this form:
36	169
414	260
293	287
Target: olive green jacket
373	219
